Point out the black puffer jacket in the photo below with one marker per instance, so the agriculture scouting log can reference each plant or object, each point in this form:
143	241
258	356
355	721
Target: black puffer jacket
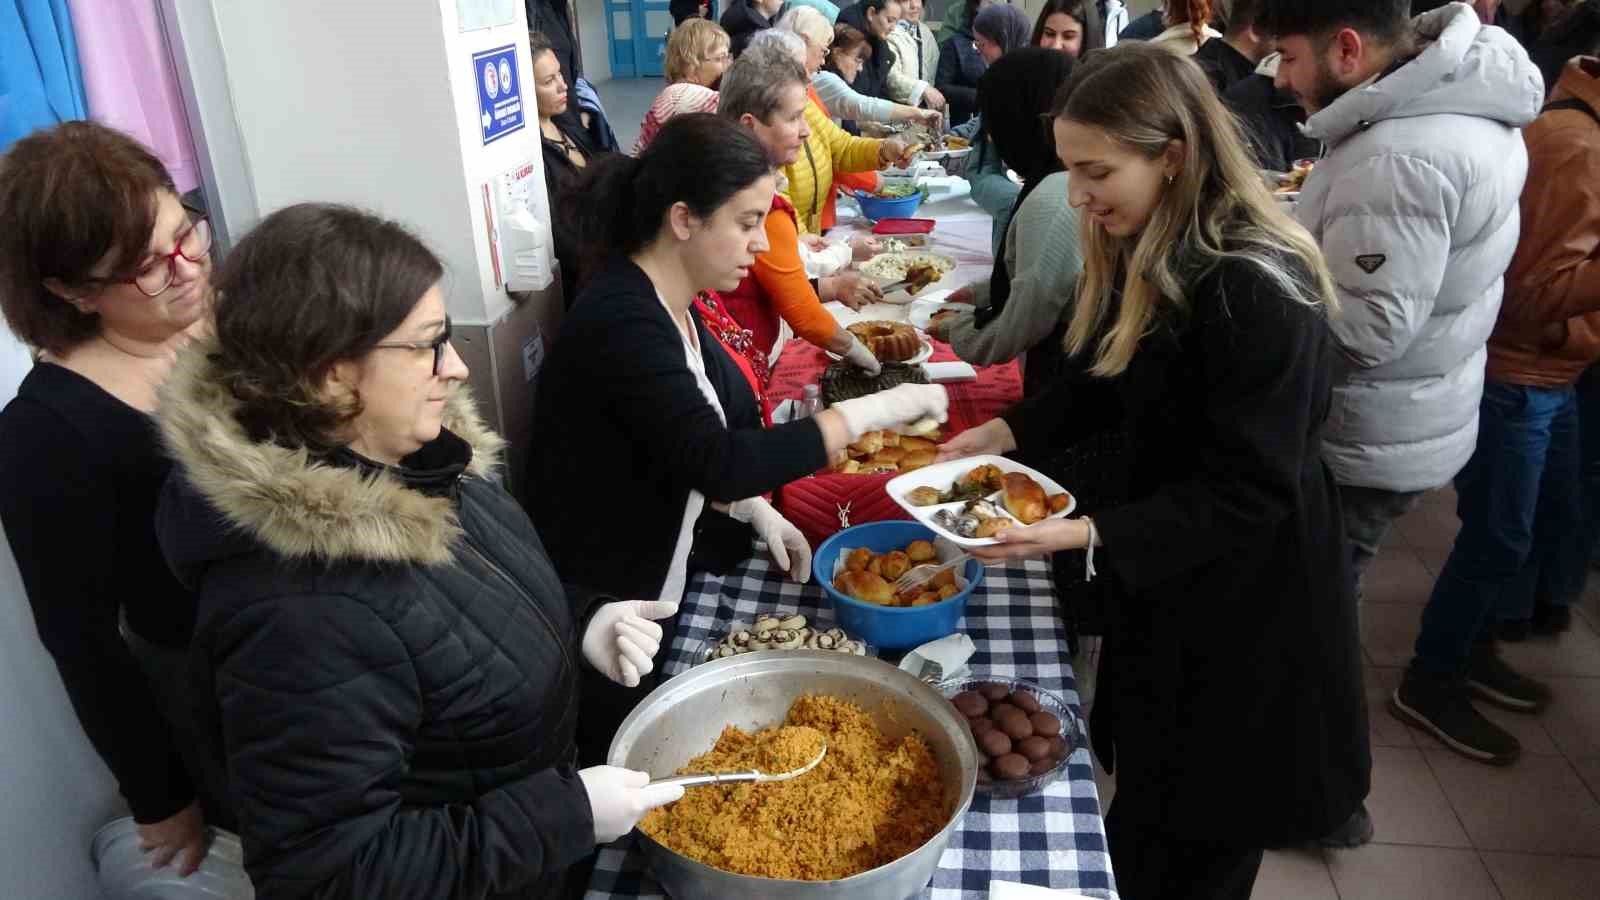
391	654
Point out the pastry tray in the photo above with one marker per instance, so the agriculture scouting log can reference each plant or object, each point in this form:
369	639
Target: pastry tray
943	476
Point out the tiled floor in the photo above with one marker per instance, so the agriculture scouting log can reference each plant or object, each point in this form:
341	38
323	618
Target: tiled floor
1446	827
626	101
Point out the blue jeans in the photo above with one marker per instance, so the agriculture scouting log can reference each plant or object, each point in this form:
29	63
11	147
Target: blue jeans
1518	501
1589	416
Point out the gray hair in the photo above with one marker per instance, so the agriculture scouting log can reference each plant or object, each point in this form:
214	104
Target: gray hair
808	23
756	81
778	39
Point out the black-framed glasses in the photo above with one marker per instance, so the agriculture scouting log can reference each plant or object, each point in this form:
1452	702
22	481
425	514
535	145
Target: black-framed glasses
437	345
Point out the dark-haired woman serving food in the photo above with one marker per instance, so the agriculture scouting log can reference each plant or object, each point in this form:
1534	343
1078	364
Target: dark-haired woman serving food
642	419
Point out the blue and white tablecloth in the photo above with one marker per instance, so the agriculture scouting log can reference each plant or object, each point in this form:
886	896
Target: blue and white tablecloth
1055	838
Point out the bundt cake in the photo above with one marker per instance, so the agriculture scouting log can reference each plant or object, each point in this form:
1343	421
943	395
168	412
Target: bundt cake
888	341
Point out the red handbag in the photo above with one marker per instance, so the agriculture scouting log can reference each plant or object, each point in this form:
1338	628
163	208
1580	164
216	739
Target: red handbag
821	505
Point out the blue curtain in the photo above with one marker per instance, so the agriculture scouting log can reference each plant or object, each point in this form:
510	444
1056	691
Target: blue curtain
40	82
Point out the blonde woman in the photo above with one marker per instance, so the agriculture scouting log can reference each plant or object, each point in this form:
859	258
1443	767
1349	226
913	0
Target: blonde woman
697	56
1230	699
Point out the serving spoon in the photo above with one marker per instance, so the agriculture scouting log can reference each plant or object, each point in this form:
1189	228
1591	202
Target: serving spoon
753	775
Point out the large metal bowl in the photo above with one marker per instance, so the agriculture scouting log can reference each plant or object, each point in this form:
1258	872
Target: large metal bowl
682	718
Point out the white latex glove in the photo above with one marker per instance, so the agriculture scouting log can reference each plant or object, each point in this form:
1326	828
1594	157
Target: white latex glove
861	357
618	798
897	406
621	638
789	548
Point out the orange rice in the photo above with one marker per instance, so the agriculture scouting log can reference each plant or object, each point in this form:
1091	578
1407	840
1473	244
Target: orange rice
869	802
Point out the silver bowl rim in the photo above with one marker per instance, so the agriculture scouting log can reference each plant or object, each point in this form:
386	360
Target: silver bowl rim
966	752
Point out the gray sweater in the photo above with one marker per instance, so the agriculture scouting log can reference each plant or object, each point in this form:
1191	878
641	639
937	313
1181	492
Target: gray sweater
1044	262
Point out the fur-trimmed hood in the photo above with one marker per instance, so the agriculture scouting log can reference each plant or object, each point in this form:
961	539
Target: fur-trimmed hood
294	504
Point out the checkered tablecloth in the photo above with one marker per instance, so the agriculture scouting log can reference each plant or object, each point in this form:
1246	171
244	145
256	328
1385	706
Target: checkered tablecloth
1054	838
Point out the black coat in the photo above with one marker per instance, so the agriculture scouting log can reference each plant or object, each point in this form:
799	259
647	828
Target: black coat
561	174
961	66
550	18
1223	64
1271	119
392	658
1230	698
741	21
873	79
622	434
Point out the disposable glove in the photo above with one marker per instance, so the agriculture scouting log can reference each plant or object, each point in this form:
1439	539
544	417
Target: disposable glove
621	638
897	406
619	798
859	356
789	548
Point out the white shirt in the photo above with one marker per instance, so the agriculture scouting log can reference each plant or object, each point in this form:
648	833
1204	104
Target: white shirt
678	572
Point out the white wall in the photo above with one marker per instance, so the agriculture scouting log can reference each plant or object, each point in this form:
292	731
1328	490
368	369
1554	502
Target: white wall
56	790
374	103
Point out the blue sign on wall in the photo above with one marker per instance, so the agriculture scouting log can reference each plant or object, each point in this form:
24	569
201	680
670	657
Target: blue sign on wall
499	92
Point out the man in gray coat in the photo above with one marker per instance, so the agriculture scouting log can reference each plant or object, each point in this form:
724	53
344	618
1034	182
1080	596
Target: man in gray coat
1415	207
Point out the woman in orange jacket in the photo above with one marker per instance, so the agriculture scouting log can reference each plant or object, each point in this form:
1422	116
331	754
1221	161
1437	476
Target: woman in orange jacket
765	90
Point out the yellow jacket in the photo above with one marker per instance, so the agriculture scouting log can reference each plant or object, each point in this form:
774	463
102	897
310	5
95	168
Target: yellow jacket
829	149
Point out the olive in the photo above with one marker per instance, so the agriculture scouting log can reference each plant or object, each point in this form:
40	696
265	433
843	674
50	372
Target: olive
1011	765
1017	726
993	691
1025	701
994	743
1034	748
1045	723
970	703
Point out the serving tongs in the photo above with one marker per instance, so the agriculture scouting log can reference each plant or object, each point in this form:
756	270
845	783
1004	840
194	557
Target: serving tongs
753	775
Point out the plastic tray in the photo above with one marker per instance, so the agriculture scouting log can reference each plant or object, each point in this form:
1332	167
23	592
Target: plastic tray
943	475
903	226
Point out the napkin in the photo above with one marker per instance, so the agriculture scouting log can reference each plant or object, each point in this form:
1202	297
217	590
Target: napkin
1011	890
943	372
943	659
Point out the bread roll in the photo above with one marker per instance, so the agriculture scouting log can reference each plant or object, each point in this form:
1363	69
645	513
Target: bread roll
1058	502
889	455
867	444
911	444
916	459
864	586
990	527
1024	498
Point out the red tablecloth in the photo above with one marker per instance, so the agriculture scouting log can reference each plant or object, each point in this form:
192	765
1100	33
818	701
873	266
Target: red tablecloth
821	504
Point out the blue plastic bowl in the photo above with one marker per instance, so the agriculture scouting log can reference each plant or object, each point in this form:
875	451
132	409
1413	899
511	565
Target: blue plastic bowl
890	627
875	207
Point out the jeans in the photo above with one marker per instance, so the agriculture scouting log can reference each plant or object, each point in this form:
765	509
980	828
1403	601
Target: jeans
1589	431
1368	515
1518	503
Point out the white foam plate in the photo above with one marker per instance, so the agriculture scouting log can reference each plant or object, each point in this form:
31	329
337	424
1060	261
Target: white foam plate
920	315
943	475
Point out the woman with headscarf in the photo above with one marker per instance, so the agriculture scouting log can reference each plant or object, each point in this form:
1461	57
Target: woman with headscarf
1019	307
993	31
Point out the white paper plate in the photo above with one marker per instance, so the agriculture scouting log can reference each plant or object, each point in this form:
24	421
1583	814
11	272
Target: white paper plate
920	315
922	355
943	475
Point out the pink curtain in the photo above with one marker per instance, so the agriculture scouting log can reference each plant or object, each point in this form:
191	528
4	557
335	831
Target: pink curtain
129	80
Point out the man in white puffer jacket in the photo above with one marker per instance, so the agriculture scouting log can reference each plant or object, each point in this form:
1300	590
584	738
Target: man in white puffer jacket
1415	207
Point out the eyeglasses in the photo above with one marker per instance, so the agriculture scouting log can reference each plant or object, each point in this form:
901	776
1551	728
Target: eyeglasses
437	345
155	276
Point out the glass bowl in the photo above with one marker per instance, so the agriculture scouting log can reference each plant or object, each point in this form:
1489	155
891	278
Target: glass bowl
1071	730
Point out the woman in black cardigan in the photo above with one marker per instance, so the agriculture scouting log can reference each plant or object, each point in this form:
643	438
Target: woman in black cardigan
641	418
1230	703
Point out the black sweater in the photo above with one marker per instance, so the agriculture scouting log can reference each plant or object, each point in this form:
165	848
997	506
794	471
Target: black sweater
80	472
622	434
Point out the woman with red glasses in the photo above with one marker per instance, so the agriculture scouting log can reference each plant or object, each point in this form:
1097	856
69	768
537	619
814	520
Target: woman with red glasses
104	275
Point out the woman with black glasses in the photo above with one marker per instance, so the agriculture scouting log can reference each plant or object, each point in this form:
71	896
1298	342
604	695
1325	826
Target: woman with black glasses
104	275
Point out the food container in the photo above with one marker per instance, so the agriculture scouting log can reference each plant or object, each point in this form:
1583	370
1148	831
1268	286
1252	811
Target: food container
890	627
876	208
901	227
683	717
125	872
943	475
1071	730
